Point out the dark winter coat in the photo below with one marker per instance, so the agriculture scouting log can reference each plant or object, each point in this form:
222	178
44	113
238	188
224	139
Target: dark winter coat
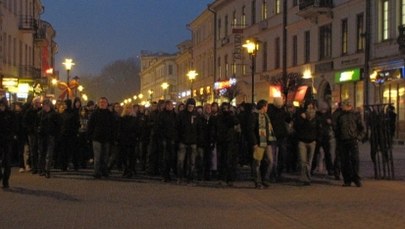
101	126
127	131
70	123
187	124
7	122
279	118
226	123
167	125
31	120
349	126
48	123
307	130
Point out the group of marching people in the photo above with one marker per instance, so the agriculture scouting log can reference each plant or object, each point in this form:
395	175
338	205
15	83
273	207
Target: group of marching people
189	143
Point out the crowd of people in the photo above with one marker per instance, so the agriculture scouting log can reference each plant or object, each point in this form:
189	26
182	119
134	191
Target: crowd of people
183	142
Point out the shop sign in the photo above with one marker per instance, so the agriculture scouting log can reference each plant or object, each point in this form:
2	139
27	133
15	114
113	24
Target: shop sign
224	84
348	76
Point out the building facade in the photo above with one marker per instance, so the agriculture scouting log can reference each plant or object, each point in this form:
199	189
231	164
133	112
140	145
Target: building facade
27	49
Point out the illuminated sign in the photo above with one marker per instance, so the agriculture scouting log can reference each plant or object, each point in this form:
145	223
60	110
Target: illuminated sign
224	84
348	76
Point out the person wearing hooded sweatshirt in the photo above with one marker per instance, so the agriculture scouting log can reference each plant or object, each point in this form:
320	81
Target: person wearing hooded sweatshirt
6	135
187	125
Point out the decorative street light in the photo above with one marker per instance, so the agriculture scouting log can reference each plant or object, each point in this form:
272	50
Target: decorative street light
192	74
150	91
164	86
68	65
252	48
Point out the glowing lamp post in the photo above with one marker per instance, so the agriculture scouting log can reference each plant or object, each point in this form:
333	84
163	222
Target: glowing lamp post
192	74
164	86
252	48
68	65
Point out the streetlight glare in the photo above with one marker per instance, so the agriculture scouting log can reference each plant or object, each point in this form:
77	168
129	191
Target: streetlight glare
54	81
68	64
164	85
251	46
192	74
80	88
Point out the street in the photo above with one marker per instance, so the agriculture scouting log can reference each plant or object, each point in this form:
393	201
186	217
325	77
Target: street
76	200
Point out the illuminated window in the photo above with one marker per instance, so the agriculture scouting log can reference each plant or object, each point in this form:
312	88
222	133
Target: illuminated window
277	7
403	12
360	32
344	37
385	19
264	9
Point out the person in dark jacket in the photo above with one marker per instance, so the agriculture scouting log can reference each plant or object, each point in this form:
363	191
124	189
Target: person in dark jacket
260	136
349	130
127	133
205	142
187	131
48	130
279	119
100	126
6	136
228	130
307	126
167	127
31	122
20	139
70	123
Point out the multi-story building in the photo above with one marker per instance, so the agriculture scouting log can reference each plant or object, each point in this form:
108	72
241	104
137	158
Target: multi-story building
202	29
184	64
157	69
27	48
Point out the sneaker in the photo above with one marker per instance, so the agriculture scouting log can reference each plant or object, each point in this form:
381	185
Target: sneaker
28	168
21	170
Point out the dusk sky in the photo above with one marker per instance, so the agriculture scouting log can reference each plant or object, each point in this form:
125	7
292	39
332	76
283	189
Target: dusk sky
95	33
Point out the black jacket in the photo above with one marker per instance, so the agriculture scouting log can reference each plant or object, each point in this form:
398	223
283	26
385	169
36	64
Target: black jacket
127	131
349	126
307	130
187	124
279	118
167	125
48	123
101	126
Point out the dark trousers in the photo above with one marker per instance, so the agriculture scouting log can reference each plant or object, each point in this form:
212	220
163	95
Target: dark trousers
5	161
228	160
34	152
68	151
168	157
349	155
128	159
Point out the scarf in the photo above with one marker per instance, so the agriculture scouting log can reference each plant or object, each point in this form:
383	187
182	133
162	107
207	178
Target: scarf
266	133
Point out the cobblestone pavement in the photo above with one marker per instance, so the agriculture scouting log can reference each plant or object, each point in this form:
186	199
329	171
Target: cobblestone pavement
75	200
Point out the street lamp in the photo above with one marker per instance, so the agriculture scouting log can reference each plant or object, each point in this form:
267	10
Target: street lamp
164	86
252	48
68	65
192	74
150	91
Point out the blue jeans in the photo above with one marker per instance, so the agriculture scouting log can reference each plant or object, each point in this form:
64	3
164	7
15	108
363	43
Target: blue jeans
46	151
101	151
181	157
306	153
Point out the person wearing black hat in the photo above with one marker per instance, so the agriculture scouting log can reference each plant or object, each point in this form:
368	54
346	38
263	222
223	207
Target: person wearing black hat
6	135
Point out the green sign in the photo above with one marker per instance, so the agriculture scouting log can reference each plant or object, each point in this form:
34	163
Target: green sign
348	76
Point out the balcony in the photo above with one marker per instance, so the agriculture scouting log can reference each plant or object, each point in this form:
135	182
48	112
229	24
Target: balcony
40	37
313	9
29	72
27	24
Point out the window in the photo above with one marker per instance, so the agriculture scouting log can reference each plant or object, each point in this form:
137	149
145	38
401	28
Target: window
325	47
264	9
402	12
295	2
360	32
253	12
234	20
219	28
277	53
243	17
264	56
294	50
219	68
226	66
170	69
277	7
307	47
344	37
226	25
385	20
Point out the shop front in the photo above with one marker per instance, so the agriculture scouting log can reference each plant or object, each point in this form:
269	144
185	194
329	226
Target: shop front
350	86
390	89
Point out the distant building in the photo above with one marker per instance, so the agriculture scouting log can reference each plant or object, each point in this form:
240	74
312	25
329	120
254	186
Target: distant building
27	49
